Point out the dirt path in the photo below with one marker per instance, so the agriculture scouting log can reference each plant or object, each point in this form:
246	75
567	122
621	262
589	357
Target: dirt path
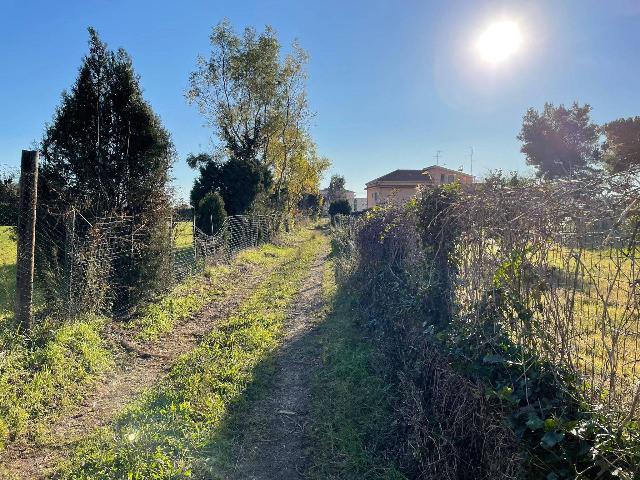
139	366
276	440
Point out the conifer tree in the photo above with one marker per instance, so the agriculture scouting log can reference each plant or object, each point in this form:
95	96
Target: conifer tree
106	153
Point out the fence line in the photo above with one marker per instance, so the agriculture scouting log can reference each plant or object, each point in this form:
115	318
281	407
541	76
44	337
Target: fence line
113	263
554	265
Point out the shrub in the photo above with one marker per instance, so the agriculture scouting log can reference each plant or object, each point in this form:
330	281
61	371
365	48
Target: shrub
210	214
340	207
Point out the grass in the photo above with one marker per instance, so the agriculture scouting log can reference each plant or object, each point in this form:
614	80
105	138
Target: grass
164	433
48	370
183	236
352	399
39	379
197	291
8	254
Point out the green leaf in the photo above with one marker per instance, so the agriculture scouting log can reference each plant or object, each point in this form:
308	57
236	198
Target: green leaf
535	422
549	424
551	439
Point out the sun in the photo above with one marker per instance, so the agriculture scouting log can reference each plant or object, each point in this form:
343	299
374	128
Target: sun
499	41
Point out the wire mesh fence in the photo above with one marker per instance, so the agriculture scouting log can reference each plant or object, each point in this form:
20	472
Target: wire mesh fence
8	248
114	263
559	265
555	265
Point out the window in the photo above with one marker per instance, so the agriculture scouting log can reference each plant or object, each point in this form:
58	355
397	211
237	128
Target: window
375	196
442	178
452	178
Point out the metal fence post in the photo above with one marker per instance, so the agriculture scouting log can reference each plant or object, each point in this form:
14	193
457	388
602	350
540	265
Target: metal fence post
26	237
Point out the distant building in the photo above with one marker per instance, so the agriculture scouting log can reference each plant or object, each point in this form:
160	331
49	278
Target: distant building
349	195
359	204
401	185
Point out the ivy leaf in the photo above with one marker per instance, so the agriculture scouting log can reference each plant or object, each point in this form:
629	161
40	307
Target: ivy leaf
551	439
493	358
535	422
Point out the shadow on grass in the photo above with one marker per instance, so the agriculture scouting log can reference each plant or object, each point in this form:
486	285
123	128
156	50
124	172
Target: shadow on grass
346	428
245	441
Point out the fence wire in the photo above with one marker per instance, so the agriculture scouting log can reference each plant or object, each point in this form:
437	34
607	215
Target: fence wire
116	263
9	177
556	265
561	259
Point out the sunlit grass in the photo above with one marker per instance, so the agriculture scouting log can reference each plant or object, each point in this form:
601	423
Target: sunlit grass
8	254
199	290
183	235
166	432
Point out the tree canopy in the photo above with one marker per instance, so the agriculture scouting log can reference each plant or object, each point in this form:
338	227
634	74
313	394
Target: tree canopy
559	141
107	153
340	207
257	104
239	182
621	149
210	213
336	190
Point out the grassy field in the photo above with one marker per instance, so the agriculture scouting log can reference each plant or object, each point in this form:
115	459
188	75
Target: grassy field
8	254
166	432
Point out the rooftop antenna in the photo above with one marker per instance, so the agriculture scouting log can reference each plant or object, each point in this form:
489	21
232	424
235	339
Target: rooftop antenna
437	156
471	159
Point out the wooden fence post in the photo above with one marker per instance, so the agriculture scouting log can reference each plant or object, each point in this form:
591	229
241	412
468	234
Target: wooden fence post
69	257
26	237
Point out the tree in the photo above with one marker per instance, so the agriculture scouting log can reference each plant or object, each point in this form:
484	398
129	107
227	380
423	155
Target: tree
621	149
340	207
8	200
336	190
235	89
300	175
311	203
107	153
559	142
210	214
238	182
257	104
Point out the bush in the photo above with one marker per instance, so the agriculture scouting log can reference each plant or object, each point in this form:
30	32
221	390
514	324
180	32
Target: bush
210	214
340	207
475	400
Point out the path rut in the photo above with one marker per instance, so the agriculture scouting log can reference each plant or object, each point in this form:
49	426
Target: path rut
138	368
276	443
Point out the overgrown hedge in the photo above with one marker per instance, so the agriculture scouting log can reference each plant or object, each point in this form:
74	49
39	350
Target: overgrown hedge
470	406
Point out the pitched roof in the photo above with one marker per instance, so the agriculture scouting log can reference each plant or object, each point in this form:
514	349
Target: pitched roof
401	176
457	172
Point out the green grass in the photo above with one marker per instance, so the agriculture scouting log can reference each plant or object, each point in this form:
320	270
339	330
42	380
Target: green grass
164	434
48	369
183	234
352	399
196	292
8	254
46	372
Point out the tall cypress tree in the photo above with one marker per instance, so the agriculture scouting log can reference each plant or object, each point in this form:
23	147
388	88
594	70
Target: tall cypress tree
106	153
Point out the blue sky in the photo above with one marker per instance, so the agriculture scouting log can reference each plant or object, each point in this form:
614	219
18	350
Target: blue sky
390	81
